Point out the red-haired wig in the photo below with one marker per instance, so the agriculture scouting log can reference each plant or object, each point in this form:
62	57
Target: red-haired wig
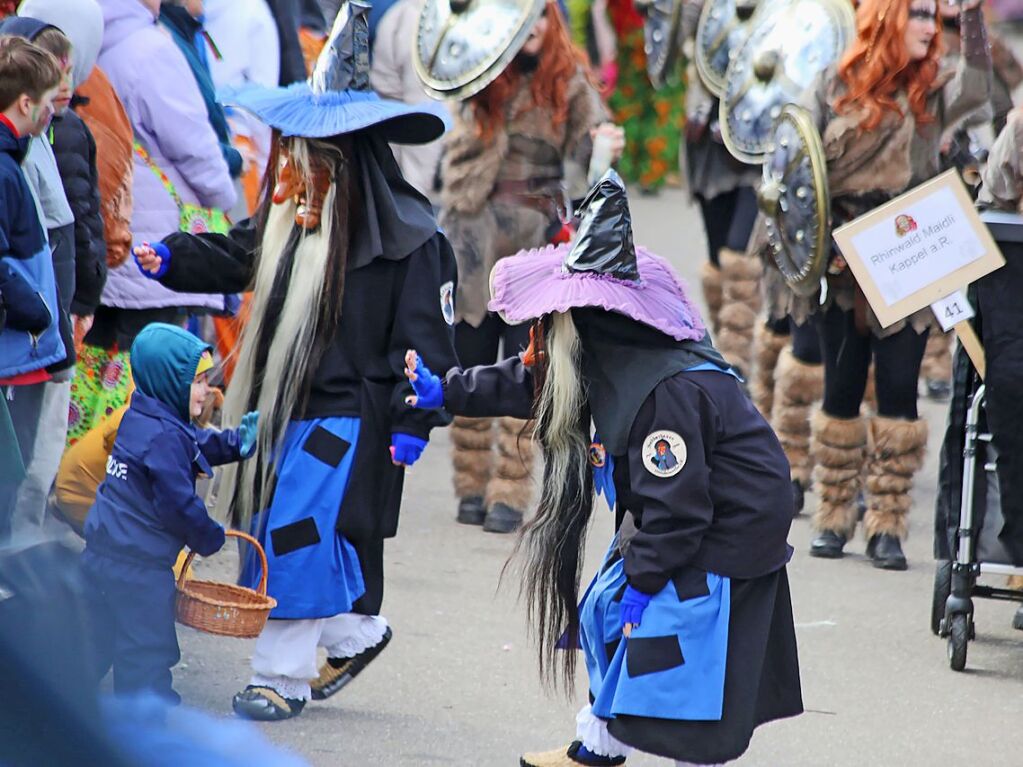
877	65
559	59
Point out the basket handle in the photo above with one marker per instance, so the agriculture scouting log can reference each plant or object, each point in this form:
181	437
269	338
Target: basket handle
248	539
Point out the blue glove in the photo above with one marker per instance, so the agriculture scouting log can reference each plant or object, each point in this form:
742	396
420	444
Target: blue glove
427	386
406	449
247	433
165	258
633	604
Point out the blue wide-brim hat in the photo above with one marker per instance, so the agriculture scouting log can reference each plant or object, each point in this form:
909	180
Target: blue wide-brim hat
337	98
298	111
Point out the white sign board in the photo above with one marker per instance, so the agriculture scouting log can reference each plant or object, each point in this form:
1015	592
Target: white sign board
919	248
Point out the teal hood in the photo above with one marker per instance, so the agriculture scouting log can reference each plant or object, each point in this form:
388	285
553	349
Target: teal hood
163	363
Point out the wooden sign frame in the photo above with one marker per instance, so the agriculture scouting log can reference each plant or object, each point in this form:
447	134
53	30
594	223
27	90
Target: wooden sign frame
944	284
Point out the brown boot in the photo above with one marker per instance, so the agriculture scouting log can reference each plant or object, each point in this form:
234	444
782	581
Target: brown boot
472	457
839	449
936	368
797	388
740	305
896	453
710	279
511	488
767	345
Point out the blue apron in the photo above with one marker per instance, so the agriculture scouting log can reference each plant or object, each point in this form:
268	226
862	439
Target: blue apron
673	665
314	571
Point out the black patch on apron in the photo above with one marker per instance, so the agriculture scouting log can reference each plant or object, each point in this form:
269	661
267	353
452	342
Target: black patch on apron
690	583
297	535
326	447
648	655
620	593
610	648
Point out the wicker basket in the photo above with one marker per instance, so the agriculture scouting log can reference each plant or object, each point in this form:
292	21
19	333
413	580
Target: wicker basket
223	608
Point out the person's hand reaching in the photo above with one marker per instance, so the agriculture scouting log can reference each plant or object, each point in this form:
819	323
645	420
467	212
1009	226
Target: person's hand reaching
429	394
153	260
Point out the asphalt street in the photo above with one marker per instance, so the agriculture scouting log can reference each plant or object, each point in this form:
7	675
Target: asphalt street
459	686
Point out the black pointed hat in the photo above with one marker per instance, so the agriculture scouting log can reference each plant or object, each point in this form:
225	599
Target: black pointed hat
604	244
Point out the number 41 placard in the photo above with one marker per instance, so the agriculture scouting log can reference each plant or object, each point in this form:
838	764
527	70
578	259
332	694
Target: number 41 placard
954	311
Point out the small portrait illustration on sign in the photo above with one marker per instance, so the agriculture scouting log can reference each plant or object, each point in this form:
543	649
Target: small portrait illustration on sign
904	224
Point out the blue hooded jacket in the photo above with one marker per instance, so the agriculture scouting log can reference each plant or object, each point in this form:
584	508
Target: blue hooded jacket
25	260
146	509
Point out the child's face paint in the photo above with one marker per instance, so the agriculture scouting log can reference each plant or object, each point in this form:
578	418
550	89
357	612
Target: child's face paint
41	112
63	98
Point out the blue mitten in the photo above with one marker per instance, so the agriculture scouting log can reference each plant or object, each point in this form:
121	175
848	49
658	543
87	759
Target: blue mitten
427	386
165	258
634	602
406	449
247	433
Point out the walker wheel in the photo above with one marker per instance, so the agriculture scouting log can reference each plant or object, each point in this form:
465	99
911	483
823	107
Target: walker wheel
942	590
959	636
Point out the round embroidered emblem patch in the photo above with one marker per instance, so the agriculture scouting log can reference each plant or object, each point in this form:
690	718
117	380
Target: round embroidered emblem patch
664	453
598	455
447	302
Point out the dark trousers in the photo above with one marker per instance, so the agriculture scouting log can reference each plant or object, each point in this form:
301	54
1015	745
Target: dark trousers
133	624
847	355
25	406
728	220
482	345
806	341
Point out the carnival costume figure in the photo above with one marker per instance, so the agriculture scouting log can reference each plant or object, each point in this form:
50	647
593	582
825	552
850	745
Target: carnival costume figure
687	628
502	191
880	113
724	189
348	269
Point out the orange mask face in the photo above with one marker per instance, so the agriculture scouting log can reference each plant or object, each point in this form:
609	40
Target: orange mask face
290	184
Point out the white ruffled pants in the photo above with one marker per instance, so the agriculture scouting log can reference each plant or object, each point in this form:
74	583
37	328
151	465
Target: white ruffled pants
591	730
285	654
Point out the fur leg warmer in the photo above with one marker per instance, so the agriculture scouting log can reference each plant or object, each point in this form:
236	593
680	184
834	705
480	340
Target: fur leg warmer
512	483
937	362
740	305
710	279
896	453
797	388
839	447
472	455
767	345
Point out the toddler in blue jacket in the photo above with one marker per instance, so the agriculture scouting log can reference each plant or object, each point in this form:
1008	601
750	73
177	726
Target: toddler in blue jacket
147	508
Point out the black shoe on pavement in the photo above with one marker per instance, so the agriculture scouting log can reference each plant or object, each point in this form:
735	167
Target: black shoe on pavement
828	545
886	552
471	510
265	704
338	672
798	497
502	518
1017	619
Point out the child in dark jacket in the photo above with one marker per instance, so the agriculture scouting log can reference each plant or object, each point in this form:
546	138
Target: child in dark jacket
147	509
29	335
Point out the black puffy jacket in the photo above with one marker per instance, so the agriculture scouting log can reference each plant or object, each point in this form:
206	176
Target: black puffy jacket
75	150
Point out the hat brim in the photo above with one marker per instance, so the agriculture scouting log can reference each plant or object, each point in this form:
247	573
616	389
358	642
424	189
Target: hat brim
533	283
297	111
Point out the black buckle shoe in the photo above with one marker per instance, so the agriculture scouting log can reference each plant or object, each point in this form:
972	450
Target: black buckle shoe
828	545
886	552
471	510
336	673
502	518
798	497
265	704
